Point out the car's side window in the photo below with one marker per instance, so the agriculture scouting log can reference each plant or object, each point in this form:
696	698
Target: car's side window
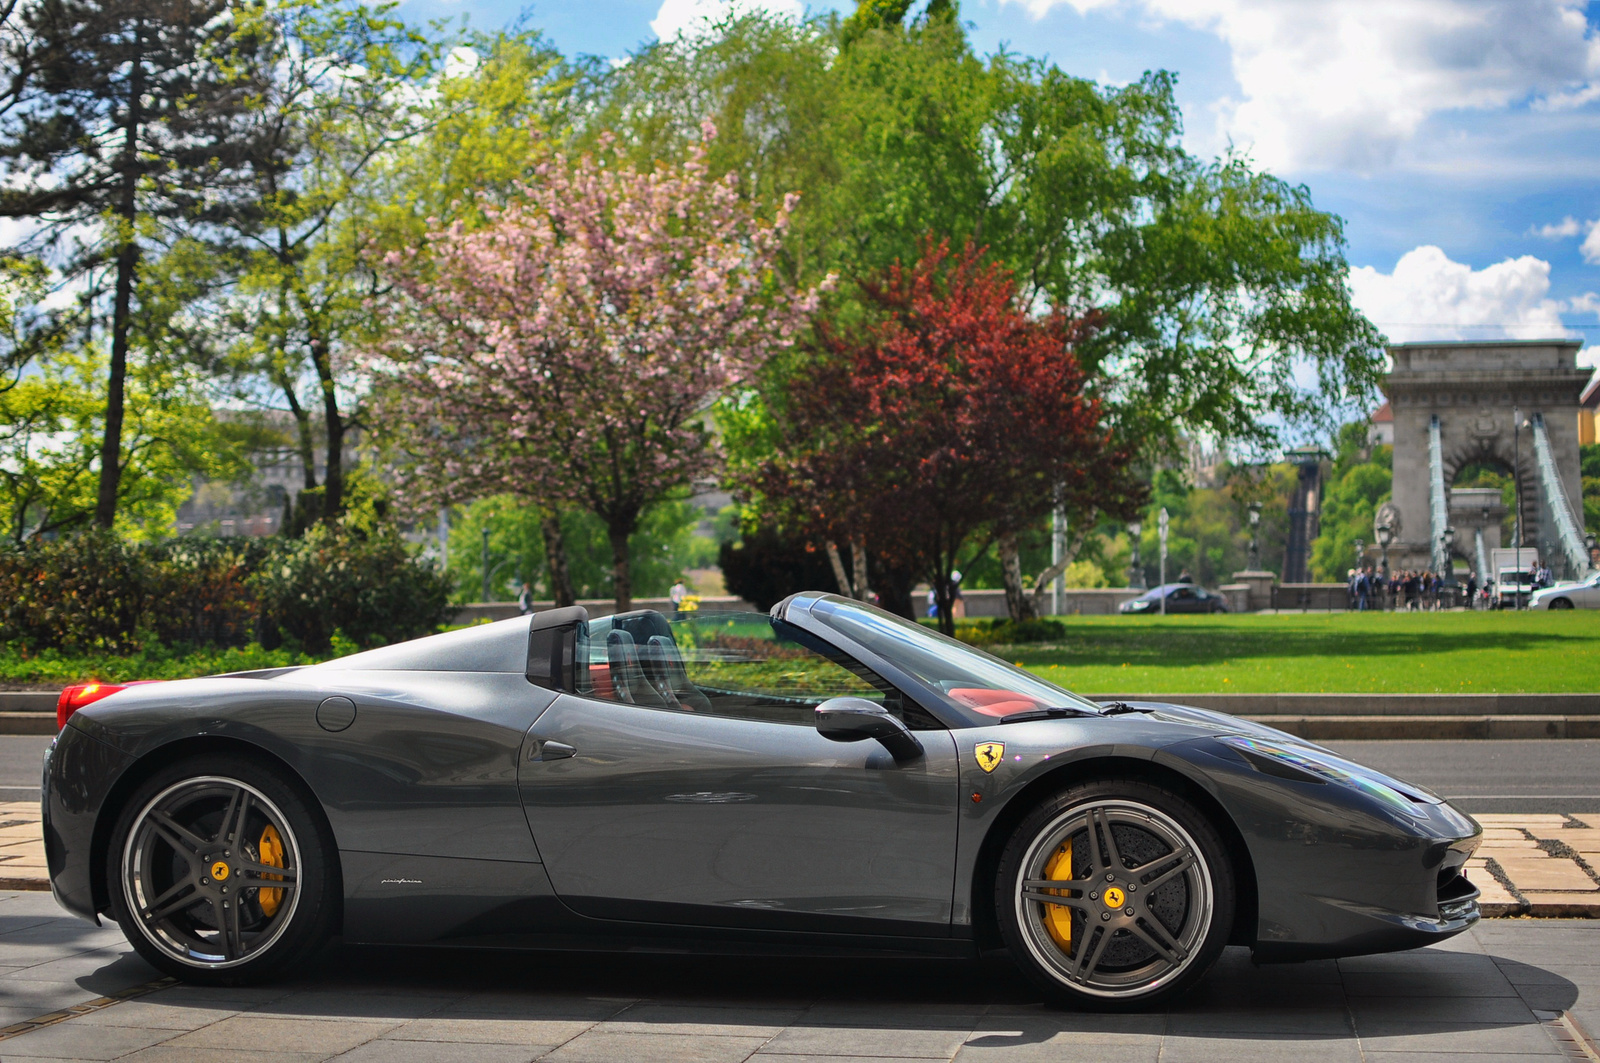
726	664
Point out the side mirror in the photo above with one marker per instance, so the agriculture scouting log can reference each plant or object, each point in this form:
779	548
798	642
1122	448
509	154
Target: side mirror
852	719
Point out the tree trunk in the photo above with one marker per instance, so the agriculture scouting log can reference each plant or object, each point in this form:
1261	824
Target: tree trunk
333	422
1068	555
305	442
621	566
105	510
555	558
1019	606
858	556
944	596
838	569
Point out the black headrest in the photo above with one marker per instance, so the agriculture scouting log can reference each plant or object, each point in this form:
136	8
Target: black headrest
642	624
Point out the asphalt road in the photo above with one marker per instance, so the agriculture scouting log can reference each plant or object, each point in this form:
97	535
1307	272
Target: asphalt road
1558	776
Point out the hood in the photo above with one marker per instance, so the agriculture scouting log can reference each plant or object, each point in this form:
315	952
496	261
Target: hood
1219	723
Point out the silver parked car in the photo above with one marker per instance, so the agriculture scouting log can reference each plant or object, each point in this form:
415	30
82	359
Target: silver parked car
1569	594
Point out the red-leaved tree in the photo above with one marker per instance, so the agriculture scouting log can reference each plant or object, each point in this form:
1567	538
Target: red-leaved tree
568	347
950	418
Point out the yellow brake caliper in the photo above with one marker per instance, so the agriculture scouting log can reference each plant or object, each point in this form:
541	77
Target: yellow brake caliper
272	856
1058	917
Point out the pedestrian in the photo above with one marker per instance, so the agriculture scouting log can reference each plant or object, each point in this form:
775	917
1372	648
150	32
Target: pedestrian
1472	587
525	600
1184	577
678	593
958	608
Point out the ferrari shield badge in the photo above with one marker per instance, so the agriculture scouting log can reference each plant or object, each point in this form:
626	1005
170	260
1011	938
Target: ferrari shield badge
989	755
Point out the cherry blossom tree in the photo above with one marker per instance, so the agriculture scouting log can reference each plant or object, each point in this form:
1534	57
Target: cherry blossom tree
567	344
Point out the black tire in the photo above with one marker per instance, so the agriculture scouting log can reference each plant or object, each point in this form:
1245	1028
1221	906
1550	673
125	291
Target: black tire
1560	603
1152	944
198	831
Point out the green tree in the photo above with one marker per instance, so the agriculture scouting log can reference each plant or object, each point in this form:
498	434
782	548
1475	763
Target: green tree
663	548
1214	281
1361	481
126	124
51	426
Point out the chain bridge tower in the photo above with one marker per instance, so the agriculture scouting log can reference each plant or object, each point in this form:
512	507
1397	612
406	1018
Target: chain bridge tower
1509	405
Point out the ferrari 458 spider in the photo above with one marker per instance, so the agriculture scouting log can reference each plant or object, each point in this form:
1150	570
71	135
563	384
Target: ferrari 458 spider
825	778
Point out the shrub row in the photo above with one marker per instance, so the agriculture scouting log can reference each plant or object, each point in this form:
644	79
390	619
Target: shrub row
97	592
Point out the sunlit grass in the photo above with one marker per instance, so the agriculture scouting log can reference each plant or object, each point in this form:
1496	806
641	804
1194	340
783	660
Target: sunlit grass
1487	653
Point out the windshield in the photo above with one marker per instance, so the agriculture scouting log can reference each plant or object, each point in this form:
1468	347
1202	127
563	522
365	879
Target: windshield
967	676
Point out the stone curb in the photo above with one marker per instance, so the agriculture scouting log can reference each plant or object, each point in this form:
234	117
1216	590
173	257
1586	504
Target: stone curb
1378	704
1351	728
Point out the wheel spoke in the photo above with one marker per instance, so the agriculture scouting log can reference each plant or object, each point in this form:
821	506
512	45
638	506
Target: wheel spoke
1089	956
175	898
1185	860
1043	897
1152	932
176	834
1098	823
283	874
232	830
227	913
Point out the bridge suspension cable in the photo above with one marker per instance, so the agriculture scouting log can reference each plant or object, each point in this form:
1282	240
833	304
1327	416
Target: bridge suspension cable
1569	533
1438	507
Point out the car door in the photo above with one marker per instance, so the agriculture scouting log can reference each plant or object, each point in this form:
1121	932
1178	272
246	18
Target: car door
1182	600
685	782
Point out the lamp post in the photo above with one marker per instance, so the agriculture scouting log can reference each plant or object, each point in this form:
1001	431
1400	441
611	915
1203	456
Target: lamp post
1135	569
1447	578
1385	534
1361	548
1255	537
485	566
1161	526
1589	547
1516	486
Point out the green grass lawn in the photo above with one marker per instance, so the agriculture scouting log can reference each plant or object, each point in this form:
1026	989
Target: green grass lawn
1399	653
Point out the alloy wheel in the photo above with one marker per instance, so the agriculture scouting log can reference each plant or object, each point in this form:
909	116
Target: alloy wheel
211	872
1114	898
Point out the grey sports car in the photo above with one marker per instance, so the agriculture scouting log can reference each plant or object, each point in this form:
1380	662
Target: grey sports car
828	777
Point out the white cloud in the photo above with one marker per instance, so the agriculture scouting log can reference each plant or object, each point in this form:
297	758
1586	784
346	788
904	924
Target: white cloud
1345	83
1568	226
680	18
1590	247
1430	297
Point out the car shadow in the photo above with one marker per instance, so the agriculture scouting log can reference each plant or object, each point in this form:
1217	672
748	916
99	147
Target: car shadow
987	1002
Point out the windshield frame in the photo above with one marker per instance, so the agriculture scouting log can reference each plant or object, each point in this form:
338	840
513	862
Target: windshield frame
797	609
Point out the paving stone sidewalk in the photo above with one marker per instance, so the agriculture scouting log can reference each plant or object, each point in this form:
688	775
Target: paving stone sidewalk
1497	993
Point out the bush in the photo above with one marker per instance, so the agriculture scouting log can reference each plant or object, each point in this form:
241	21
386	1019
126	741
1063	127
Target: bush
93	593
338	578
998	632
768	567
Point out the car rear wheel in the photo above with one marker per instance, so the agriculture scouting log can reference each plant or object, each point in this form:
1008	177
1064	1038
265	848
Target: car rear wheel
220	872
1115	894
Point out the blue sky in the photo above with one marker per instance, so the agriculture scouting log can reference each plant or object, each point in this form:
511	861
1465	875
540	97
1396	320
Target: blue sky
1459	139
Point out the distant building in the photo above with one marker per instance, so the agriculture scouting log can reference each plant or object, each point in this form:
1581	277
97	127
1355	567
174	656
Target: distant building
1382	431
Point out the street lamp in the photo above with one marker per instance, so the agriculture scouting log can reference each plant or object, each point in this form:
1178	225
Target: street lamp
1255	537
1590	547
1449	540
1361	548
1385	534
485	597
1135	569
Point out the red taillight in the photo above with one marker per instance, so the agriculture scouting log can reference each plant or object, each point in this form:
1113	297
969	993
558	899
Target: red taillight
78	695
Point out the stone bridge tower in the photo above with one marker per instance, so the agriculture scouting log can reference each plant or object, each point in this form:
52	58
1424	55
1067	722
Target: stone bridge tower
1472	389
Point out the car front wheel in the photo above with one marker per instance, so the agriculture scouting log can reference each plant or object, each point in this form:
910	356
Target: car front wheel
220	872
1561	603
1115	894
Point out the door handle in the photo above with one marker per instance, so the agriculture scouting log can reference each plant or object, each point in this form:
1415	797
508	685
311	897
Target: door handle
544	749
